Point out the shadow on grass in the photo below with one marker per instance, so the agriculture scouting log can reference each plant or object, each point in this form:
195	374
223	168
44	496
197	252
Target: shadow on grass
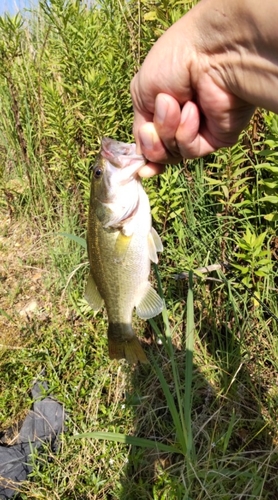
233	422
233	436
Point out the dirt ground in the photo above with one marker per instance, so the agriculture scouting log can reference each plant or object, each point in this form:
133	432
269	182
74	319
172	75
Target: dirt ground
22	290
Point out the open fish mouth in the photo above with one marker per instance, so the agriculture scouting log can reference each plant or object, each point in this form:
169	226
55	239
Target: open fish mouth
121	155
111	148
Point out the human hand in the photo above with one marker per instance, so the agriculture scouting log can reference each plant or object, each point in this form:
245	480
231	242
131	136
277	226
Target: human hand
192	94
190	130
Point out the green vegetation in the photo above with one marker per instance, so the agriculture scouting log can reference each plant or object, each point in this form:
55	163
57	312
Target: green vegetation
201	421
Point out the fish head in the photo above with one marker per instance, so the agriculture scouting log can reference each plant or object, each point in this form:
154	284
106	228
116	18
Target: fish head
115	182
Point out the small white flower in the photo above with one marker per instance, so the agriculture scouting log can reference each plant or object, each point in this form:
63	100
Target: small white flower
111	461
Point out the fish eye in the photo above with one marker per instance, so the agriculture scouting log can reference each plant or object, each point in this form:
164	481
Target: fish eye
97	172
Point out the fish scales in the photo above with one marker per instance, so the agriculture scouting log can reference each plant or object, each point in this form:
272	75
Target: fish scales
121	244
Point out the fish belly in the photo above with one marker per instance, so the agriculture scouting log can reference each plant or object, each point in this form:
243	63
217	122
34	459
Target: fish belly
119	266
119	269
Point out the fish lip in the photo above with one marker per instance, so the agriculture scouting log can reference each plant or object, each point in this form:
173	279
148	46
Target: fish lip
112	148
118	153
132	169
133	176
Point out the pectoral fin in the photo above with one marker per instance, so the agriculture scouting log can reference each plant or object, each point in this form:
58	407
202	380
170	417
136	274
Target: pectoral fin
121	246
150	304
92	294
157	240
154	245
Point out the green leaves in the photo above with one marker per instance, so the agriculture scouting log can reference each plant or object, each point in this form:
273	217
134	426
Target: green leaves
11	31
76	239
254	262
128	440
166	197
65	84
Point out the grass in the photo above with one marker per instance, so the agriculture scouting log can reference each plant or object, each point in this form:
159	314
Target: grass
201	421
233	416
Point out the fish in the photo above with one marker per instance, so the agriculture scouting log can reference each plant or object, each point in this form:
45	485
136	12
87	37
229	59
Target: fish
121	244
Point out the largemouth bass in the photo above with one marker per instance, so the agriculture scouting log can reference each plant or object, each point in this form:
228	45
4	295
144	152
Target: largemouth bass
121	244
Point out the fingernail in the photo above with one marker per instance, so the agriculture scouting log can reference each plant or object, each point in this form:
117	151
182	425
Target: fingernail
161	108
146	138
186	110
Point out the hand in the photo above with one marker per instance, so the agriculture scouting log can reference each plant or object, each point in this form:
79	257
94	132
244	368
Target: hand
198	86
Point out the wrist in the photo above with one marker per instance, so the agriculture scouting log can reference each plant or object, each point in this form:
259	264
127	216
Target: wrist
239	43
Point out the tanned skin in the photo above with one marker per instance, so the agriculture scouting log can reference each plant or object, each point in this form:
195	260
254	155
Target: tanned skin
202	80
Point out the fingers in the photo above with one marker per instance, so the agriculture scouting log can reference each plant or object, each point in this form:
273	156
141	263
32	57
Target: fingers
151	147
191	142
166	120
151	169
173	134
185	133
157	138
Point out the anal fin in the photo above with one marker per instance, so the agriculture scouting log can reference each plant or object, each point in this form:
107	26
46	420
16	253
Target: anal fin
150	303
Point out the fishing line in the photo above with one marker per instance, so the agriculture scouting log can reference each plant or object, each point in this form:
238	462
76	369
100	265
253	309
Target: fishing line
228	266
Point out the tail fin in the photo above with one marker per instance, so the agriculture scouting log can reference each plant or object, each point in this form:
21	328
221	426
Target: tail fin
131	350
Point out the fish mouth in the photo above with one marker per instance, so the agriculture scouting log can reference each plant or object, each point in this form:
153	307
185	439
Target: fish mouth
125	168
116	178
110	148
119	191
122	155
